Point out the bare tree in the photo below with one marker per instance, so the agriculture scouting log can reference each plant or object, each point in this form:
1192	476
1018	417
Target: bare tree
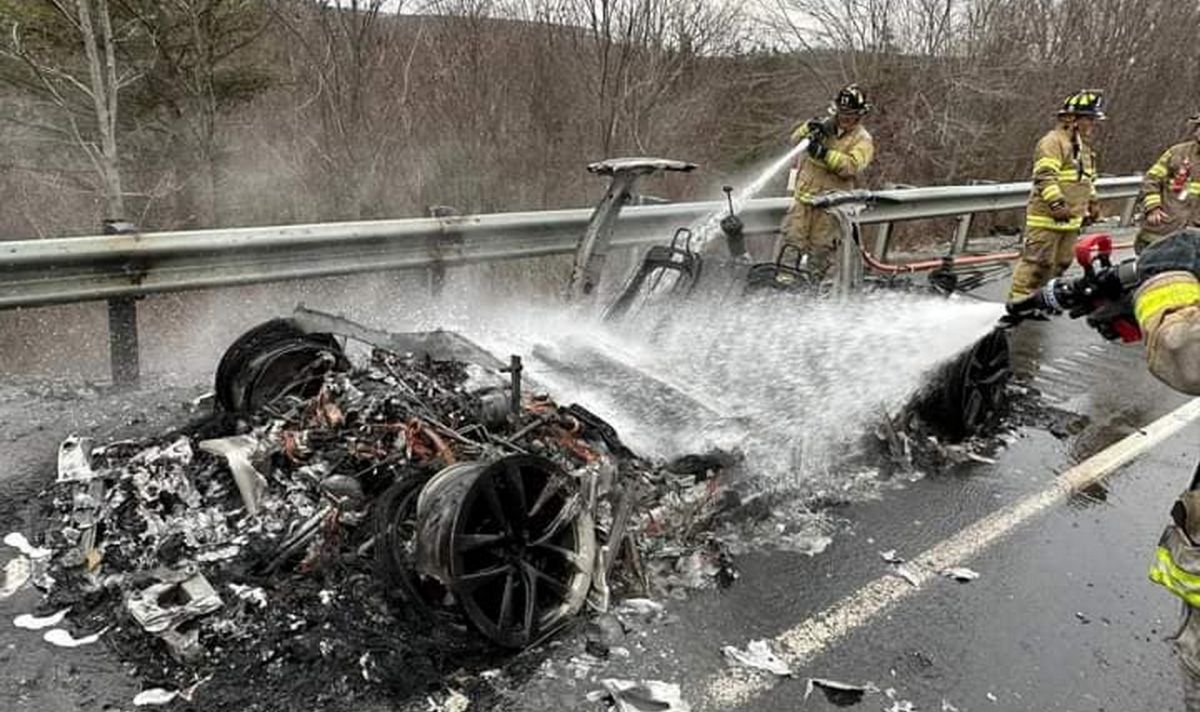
94	83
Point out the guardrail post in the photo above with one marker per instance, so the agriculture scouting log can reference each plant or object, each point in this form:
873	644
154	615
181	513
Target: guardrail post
122	324
961	234
437	271
123	340
849	261
1127	210
883	236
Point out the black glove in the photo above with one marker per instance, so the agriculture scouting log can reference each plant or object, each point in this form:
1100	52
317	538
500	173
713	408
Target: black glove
732	225
817	129
1031	308
1114	319
1179	252
1060	211
817	150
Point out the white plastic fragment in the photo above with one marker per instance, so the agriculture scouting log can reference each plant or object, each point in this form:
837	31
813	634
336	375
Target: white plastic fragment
64	639
250	594
960	573
904	572
757	655
75	460
237	450
455	702
154	696
947	707
640	607
32	622
645	696
18	541
891	557
223	553
189	596
16	575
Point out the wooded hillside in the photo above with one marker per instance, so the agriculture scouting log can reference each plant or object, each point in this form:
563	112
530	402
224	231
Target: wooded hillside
207	113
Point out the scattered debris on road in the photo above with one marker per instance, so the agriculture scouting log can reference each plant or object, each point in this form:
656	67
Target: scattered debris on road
838	693
960	573
641	696
31	622
758	655
64	639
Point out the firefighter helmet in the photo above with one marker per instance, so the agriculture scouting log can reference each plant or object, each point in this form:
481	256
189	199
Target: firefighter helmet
851	100
1088	102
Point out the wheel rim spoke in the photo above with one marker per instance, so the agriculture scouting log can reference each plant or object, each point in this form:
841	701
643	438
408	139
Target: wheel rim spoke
494	505
506	601
548	491
571	557
517	483
472	542
475	579
536	574
564	517
530	598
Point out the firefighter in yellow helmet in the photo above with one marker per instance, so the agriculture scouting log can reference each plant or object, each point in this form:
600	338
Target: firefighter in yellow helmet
1063	197
1171	191
839	150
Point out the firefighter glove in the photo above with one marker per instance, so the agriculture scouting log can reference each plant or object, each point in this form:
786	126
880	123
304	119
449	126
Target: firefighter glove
1156	217
1059	210
1114	320
817	129
817	150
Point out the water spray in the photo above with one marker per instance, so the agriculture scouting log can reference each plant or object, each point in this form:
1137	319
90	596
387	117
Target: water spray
708	227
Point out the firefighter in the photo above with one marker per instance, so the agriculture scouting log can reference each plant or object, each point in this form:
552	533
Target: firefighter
839	150
1172	191
1165	304
1063	197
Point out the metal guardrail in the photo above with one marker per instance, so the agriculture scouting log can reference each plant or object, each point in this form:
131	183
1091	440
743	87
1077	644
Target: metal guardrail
75	269
120	268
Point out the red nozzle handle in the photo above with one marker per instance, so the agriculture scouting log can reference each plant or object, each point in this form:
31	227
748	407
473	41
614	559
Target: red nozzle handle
1089	247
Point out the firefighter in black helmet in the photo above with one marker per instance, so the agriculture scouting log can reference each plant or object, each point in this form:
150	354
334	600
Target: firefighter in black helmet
839	150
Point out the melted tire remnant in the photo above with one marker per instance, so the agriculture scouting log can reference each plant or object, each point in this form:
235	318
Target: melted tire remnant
273	359
968	395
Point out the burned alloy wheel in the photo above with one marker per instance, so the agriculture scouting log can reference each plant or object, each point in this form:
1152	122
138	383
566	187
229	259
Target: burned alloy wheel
971	389
513	542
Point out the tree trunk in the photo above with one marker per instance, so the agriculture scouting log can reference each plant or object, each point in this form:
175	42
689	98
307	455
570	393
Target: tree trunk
103	74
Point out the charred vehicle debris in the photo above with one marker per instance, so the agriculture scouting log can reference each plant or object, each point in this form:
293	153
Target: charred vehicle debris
393	507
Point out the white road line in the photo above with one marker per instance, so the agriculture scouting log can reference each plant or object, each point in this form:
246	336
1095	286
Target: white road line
802	643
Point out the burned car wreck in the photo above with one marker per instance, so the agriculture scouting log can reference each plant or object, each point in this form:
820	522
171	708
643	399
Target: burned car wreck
363	505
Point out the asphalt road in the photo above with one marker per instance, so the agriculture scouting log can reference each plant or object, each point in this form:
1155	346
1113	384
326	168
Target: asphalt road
1061	618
